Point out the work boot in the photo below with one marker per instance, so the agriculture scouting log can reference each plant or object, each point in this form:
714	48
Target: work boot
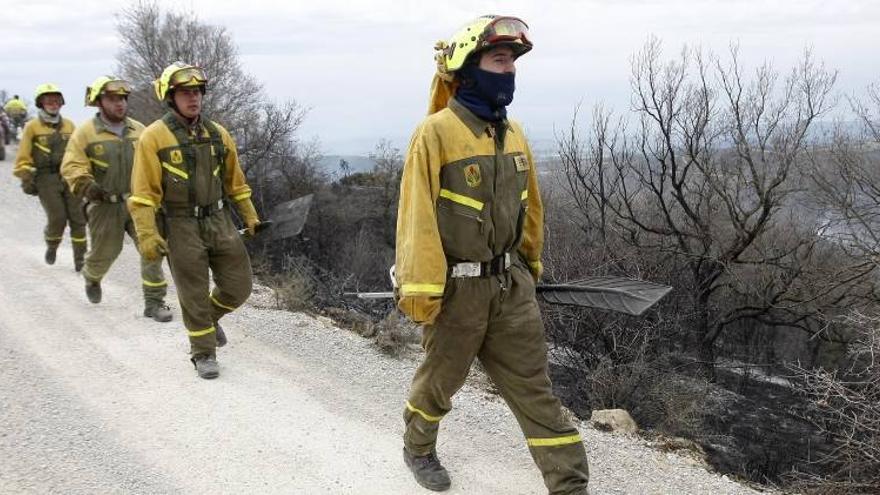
78	264
221	335
51	252
427	470
206	366
158	311
93	291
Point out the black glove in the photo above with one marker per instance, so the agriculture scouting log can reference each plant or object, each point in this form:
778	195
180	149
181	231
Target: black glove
29	187
94	192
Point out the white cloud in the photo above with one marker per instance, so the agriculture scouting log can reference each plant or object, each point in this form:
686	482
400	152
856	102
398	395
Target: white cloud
364	67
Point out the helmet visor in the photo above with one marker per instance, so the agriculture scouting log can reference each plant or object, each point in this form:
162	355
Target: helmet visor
191	76
507	29
117	87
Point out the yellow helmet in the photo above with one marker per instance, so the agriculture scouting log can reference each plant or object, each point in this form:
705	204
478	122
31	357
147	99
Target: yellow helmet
45	89
106	85
481	33
179	74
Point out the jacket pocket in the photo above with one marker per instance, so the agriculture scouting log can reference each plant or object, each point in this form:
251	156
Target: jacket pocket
463	230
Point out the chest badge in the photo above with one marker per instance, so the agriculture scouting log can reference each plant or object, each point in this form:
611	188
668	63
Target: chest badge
43	140
176	157
522	163
99	149
472	175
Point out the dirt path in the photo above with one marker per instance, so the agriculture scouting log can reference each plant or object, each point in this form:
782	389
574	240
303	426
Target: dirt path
97	399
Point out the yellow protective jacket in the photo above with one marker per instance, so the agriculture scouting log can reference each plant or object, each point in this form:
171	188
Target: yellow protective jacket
42	147
157	178
464	196
94	153
14	107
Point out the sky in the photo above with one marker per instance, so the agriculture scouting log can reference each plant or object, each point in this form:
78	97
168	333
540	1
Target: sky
363	69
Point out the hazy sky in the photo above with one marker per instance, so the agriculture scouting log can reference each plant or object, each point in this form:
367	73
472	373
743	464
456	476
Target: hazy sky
364	67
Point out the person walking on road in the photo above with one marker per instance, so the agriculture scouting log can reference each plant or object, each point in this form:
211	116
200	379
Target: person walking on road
97	167
186	168
37	164
469	242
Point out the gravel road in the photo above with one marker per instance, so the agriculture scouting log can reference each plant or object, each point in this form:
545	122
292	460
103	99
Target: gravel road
98	399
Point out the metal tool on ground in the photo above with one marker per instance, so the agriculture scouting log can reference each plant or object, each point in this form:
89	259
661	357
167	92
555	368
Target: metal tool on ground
621	294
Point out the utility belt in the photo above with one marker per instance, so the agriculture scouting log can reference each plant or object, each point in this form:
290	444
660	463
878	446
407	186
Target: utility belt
116	198
51	169
195	211
468	269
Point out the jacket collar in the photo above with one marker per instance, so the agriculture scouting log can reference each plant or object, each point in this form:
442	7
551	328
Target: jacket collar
477	125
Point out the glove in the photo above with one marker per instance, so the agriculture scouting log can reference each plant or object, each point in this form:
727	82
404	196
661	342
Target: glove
94	192
29	187
248	215
537	268
420	309
150	243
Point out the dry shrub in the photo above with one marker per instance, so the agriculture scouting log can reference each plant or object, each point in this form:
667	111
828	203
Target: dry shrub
395	335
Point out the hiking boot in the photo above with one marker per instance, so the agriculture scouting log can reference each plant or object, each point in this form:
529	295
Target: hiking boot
158	311
427	470
221	335
93	291
78	264
51	252
206	366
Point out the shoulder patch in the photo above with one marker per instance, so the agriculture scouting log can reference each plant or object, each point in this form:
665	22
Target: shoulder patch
99	149
176	157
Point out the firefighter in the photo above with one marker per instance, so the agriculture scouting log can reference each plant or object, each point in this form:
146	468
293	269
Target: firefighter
97	167
17	111
469	242
37	165
186	168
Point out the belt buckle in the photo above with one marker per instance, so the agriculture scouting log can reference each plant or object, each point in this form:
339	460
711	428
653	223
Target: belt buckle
466	270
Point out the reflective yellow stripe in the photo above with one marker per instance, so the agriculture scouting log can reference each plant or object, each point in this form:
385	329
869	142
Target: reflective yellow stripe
409	289
175	171
30	169
99	163
54	238
155	284
199	333
462	200
423	414
239	197
524	196
215	301
216	170
78	239
43	148
553	442
143	201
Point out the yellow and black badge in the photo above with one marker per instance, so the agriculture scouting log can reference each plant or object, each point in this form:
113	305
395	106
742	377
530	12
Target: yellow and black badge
176	157
472	175
99	149
522	163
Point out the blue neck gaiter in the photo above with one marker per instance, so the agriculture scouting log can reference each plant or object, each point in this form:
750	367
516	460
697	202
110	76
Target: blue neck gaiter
485	93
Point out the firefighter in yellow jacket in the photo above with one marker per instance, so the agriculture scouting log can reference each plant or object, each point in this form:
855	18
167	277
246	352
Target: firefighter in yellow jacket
97	166
469	241
37	165
186	168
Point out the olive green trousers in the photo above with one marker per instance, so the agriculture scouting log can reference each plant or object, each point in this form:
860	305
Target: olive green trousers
62	209
108	224
497	320
199	248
